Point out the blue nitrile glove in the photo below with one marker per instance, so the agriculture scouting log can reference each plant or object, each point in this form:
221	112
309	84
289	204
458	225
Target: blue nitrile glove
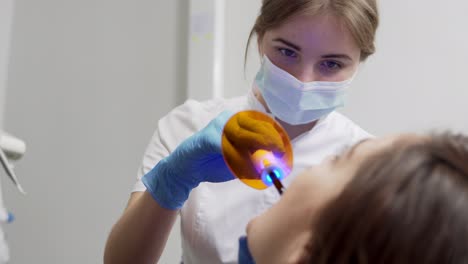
199	158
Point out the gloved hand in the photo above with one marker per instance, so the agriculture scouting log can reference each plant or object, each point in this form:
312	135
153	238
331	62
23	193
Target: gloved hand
199	158
246	133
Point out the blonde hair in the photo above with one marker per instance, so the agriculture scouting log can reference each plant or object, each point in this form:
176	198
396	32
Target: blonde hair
359	16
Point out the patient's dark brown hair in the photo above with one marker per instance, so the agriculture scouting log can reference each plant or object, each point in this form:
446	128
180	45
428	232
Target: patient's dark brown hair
408	204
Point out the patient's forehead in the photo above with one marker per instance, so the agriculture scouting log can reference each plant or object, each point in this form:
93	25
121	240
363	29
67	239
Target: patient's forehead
318	183
388	141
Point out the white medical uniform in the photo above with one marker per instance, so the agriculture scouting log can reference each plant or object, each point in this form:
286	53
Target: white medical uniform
216	214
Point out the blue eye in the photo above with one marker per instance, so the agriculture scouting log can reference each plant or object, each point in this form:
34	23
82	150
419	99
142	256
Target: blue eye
288	52
331	65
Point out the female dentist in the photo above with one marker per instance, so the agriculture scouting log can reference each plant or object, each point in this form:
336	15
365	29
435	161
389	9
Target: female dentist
310	52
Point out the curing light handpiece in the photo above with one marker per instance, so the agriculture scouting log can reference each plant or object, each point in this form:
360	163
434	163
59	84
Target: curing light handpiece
273	175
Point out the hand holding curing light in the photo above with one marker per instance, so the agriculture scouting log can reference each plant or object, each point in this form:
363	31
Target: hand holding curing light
197	159
245	133
203	157
260	157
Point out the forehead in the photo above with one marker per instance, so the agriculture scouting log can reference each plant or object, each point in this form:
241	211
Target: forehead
319	179
323	30
378	144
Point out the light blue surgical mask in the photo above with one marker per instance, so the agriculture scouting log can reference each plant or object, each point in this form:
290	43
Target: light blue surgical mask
296	102
244	253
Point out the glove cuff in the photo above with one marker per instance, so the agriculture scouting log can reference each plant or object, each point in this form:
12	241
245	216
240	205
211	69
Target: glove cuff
165	188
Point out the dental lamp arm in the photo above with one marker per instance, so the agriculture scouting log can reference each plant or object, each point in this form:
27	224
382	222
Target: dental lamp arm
11	148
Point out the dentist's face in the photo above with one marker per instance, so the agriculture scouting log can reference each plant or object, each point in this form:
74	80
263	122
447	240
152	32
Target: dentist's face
312	48
280	234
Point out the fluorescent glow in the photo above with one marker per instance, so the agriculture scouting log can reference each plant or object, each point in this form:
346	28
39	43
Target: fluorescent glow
276	170
265	163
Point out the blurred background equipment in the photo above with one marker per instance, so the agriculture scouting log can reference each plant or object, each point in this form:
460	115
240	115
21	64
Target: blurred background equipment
11	148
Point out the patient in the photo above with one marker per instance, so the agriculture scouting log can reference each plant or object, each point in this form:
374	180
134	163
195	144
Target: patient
400	199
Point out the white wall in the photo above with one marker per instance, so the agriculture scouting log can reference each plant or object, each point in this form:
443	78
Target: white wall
415	82
6	17
417	79
239	22
88	81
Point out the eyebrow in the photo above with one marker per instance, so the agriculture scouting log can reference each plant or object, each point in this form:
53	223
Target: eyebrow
327	56
337	56
287	43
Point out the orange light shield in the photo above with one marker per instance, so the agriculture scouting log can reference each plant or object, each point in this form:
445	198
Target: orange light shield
247	144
